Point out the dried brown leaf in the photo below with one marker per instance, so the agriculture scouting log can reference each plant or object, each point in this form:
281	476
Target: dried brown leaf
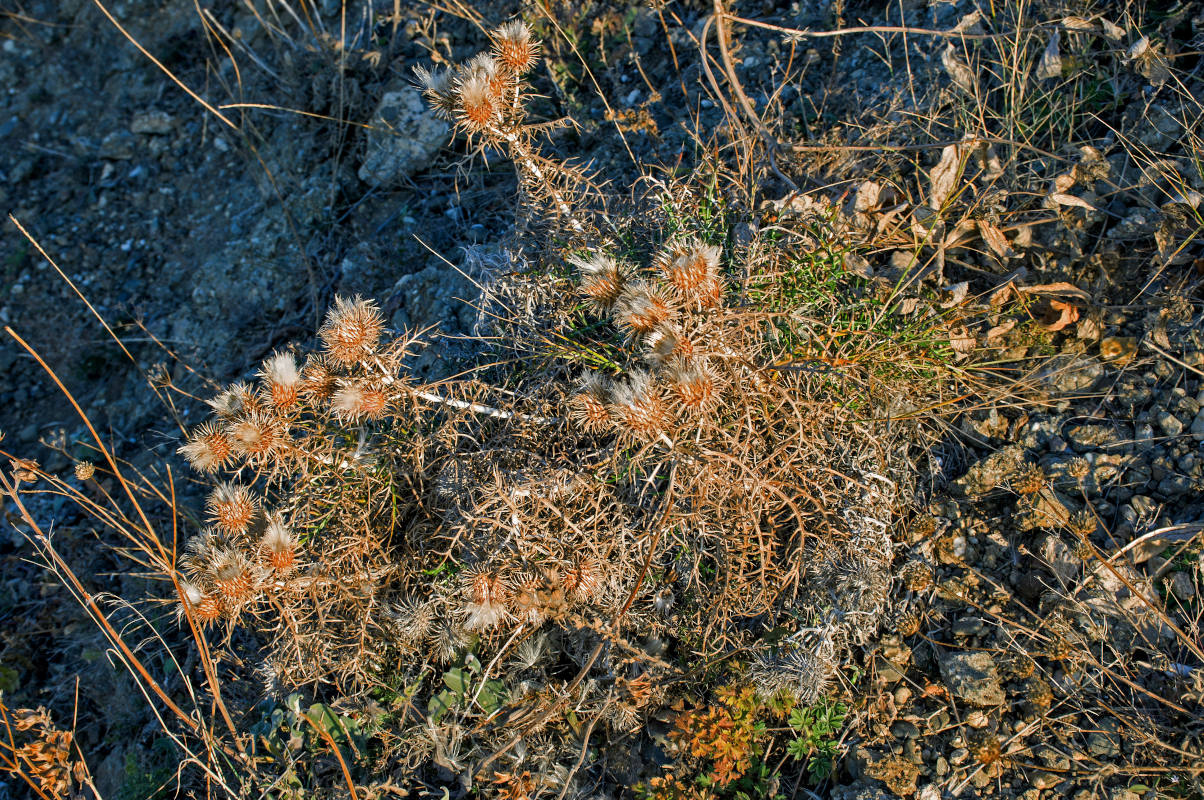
1057	315
1050	65
944	177
1063	199
957	70
962	341
995	239
1061	287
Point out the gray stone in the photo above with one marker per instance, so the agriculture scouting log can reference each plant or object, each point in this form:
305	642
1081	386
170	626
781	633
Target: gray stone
405	136
153	123
1197	426
1181	585
1170	424
972	677
968	626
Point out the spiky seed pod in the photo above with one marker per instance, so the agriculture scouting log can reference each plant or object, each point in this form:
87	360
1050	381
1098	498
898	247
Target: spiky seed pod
439	91
693	272
198	554
667	344
664	600
446	639
487	598
693	385
602	279
235	400
1029	480
232	507
638	407
476	102
258	436
208	449
360	400
318	380
1082	523
641	309
1038	693
623	717
84	470
413	621
206	608
278	546
233	579
283	380
906	622
584	580
513	48
588	407
525	600
1078	468
352	329
500	81
916	575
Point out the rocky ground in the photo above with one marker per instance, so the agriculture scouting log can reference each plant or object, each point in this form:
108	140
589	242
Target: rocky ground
1050	530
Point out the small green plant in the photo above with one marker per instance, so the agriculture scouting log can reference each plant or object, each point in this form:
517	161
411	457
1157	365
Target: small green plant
817	730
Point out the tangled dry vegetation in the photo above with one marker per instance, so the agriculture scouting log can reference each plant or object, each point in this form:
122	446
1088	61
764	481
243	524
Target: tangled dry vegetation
658	512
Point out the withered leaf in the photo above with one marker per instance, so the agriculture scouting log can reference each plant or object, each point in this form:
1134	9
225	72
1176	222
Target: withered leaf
995	239
1058	315
957	70
1050	65
1063	199
944	176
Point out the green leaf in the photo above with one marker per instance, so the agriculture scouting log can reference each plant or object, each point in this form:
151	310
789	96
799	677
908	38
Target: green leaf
440	704
456	679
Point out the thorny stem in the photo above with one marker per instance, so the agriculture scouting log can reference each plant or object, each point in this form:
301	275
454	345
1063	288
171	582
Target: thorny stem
657	530
478	408
519	152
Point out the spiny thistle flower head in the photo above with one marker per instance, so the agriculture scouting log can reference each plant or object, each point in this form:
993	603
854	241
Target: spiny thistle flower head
360	400
487	67
513	47
232	507
487	596
584	579
439	89
257	436
641	309
477	101
283	379
692	384
665	344
84	470
1029	480
235	399
602	279
206	608
638	407
1078	468
232	576
692	269
208	448
318	379
279	544
589	407
352	329
916	575
525	598
413	620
